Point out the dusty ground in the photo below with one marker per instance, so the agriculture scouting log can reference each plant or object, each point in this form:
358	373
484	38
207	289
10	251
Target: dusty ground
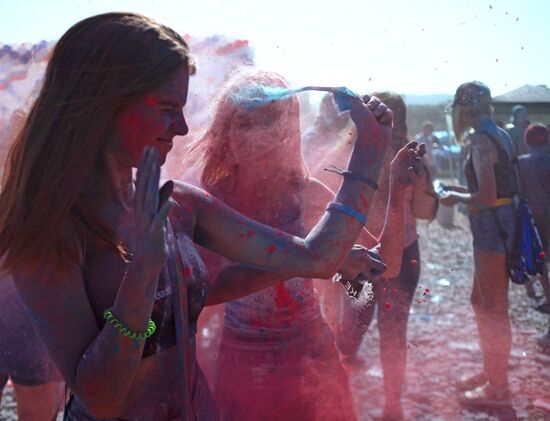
442	341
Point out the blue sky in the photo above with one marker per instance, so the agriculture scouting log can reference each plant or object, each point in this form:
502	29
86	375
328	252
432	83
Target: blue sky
420	47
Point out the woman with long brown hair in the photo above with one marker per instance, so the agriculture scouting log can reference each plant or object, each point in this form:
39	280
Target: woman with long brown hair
277	356
112	285
491	186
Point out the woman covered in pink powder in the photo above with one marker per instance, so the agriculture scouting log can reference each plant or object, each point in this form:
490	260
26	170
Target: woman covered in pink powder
106	264
277	358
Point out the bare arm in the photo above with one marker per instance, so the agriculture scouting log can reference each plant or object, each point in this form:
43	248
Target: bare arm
459	189
320	254
484	157
239	280
391	233
425	200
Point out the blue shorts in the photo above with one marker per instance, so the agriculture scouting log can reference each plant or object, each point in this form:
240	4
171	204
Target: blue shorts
486	231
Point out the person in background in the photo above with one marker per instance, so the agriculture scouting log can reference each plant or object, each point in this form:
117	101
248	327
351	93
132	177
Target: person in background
393	295
534	173
277	355
491	187
516	128
432	143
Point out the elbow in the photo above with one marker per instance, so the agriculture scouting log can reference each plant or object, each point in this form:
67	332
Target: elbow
393	270
101	408
391	273
101	402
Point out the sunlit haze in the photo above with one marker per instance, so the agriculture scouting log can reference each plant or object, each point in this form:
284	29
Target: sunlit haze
420	47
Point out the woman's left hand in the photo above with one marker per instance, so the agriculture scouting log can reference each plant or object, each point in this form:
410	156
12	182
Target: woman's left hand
407	164
362	262
447	198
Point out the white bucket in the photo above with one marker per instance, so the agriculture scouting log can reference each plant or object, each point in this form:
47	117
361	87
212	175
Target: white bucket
445	216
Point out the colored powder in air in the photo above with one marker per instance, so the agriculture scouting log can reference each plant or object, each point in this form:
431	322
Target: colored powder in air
284	301
366	295
258	96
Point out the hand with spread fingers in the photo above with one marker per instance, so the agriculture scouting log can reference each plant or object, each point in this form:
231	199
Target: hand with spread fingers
407	166
151	208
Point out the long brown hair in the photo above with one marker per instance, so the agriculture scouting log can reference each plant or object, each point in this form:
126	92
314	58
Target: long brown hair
99	65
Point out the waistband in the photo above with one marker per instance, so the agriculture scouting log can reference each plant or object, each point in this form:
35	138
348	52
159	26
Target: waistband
503	201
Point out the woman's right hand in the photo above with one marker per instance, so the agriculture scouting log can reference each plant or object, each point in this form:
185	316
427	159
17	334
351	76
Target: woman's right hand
407	166
151	208
374	121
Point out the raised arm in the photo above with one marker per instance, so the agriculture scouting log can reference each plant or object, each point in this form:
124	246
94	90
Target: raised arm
320	254
236	280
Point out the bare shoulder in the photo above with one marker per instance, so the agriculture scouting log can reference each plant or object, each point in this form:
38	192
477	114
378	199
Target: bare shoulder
483	148
187	200
483	144
185	193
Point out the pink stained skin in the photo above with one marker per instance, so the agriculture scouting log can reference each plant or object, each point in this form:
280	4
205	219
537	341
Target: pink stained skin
153	120
106	369
268	182
271	249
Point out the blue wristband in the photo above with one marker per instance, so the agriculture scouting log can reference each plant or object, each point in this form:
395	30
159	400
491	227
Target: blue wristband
340	207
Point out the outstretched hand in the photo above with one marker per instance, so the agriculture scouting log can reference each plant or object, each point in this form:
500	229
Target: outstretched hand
363	263
151	208
407	166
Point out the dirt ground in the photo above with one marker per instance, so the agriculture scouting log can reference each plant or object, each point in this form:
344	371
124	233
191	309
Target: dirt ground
443	342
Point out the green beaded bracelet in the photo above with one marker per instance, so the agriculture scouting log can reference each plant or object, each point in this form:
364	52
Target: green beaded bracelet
108	315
